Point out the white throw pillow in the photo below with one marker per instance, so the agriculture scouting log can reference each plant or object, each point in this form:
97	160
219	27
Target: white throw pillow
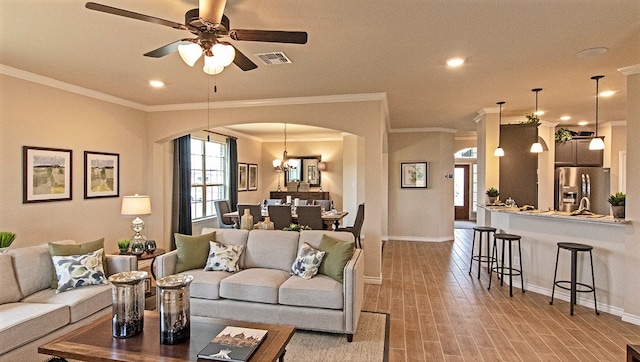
307	262
75	271
223	257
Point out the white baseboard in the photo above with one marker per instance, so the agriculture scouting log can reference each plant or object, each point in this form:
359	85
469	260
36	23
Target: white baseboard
419	238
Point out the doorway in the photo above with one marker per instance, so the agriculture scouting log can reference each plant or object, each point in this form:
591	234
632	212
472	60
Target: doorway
461	192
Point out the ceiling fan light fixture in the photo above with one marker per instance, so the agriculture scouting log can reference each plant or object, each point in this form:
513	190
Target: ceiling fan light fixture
224	53
190	53
212	66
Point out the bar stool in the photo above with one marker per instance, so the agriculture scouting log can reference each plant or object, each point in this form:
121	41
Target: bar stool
481	230
500	269
574	248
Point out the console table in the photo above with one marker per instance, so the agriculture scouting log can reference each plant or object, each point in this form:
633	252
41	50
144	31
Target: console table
302	195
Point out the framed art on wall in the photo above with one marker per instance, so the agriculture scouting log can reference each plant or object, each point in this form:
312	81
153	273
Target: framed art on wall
242	176
253	177
413	174
101	174
46	174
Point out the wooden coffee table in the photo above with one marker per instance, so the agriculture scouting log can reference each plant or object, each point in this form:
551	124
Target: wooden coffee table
94	342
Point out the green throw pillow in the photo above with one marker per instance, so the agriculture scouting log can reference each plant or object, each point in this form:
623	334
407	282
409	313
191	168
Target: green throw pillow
76	249
337	255
192	251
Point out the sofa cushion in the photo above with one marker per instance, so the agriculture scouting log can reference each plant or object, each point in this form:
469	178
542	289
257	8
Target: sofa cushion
67	247
192	251
206	284
319	292
307	262
81	302
314	237
75	271
338	254
223	257
9	289
271	249
254	285
21	323
33	268
230	237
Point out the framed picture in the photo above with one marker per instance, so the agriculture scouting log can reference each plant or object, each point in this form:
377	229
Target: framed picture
101	174
242	176
46	174
413	174
253	177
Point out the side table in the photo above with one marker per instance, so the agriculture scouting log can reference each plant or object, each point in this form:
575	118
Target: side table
147	260
152	256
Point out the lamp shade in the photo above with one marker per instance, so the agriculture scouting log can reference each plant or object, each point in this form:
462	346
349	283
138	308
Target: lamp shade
499	152
277	163
212	65
190	53
596	144
536	147
224	52
136	205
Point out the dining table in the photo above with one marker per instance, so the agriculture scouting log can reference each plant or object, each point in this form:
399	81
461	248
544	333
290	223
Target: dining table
329	218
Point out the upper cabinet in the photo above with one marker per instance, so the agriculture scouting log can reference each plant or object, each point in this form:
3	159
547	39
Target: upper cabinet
576	152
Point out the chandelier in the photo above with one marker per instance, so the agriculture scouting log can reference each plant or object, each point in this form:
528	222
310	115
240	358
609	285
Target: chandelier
284	164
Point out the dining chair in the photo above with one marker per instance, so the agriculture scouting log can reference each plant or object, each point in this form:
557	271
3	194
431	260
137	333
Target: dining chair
302	203
280	215
223	207
310	215
356	229
254	209
326	204
274	201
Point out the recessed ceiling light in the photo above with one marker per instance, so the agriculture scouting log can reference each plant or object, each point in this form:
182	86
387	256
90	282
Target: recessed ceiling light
455	62
565	118
590	52
607	93
583	123
156	83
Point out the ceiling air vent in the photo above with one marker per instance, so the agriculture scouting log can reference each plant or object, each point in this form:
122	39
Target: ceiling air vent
274	58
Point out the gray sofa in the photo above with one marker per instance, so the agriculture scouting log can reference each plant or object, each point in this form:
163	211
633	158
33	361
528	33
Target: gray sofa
31	313
265	291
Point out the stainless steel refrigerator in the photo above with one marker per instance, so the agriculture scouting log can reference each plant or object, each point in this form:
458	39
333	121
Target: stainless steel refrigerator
574	183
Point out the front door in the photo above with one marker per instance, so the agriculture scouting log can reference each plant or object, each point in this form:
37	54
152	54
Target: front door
461	192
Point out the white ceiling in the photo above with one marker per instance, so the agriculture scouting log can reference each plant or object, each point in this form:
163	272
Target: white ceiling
373	46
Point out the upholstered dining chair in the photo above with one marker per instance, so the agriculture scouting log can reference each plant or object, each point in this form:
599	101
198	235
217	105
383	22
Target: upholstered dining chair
302	203
254	209
274	201
223	207
280	215
356	229
326	204
310	215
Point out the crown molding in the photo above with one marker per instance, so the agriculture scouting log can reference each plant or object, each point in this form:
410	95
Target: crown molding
426	129
630	70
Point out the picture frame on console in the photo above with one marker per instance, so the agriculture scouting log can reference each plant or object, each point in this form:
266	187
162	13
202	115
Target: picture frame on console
242	177
101	174
46	174
413	174
253	177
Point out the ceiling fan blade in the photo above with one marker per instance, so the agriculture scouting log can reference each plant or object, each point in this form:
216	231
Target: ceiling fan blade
211	10
242	61
167	49
132	15
272	36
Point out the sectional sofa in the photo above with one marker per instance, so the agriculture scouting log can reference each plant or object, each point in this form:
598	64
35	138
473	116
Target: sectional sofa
263	290
32	314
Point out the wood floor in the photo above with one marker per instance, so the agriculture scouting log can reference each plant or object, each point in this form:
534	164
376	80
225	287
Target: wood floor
441	313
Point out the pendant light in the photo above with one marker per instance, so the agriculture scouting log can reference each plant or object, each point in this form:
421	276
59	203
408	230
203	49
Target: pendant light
536	147
499	152
596	142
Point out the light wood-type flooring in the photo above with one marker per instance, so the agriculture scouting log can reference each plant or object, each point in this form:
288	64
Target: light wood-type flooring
441	313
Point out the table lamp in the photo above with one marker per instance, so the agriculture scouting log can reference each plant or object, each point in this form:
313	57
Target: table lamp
136	205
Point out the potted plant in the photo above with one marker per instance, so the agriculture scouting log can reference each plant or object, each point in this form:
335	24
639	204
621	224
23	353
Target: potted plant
123	245
6	238
493	194
563	135
296	227
617	205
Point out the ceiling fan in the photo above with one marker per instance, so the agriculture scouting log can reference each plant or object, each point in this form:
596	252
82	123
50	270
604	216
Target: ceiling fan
210	25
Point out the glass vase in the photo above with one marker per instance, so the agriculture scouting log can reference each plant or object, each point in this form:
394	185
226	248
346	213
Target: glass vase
127	291
173	297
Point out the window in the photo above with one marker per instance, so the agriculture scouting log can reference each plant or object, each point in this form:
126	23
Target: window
208	175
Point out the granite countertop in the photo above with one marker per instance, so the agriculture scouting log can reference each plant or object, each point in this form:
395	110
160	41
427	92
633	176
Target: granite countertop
605	219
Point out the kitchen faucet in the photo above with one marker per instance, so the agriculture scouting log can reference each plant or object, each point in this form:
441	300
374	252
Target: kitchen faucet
586	202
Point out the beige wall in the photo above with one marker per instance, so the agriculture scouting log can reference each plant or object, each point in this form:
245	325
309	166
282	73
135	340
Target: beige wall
422	214
37	115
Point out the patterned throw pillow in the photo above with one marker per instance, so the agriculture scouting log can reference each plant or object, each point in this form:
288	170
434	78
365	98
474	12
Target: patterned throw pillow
75	271
223	257
307	262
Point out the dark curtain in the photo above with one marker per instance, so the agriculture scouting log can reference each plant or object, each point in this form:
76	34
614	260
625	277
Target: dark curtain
181	205
232	152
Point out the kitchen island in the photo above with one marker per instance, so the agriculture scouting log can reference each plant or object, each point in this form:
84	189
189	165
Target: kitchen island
542	230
